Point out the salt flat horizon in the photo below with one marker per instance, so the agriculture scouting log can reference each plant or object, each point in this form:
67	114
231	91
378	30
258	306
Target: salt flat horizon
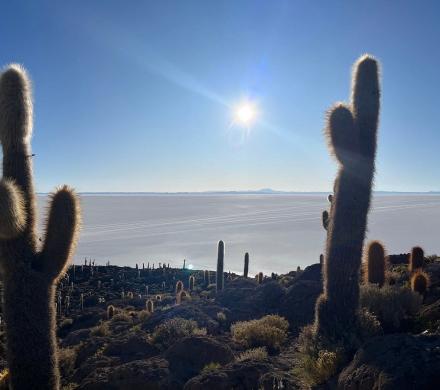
280	231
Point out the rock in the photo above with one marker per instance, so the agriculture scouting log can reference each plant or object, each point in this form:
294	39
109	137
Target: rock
312	272
74	338
188	356
397	361
149	374
241	375
298	304
135	347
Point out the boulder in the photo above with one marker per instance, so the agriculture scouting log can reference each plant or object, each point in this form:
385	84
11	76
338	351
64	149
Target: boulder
189	355
135	347
149	374
312	272
397	361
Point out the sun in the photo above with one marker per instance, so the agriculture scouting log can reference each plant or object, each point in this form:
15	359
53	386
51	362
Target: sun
245	113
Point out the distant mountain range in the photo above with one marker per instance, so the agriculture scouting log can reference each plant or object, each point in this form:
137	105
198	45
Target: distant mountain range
263	191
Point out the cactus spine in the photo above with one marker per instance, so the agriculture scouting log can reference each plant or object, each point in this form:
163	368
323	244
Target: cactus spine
352	133
416	259
246	265
220	258
29	273
375	264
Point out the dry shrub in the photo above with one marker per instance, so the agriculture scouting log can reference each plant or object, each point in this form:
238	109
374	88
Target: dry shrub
167	333
254	354
67	358
269	331
210	367
100	330
390	304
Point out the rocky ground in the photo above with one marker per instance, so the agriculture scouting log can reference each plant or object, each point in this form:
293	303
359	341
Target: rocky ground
131	348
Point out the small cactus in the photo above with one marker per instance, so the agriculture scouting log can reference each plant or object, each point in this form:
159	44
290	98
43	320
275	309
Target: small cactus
206	277
246	265
416	259
260	278
375	264
420	282
181	296
179	286
150	306
220	258
110	312
192	281
321	259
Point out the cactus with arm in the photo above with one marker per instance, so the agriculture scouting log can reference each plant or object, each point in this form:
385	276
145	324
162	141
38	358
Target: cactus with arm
29	272
352	134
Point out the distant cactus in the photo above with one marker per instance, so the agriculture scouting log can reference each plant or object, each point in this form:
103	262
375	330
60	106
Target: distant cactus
206	277
325	219
150	306
260	278
192	281
179	286
416	259
30	272
130	295
375	264
321	259
420	282
158	297
352	134
246	265
220	258
181	296
110	312
163	286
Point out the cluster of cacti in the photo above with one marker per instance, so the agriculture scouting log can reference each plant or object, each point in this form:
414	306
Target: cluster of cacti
416	259
246	265
29	273
352	134
420	282
220	258
375	264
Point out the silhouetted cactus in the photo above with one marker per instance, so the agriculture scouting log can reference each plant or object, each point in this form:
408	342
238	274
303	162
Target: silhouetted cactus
220	259
181	296
375	264
179	286
29	272
420	282
206	277
192	281
260	278
416	259
150	306
321	259
352	133
110	312
246	265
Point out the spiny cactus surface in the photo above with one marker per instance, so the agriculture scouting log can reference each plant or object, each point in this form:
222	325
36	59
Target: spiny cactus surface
29	271
375	264
351	132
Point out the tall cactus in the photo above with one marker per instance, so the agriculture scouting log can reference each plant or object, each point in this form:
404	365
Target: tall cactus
352	133
220	258
246	265
416	259
29	272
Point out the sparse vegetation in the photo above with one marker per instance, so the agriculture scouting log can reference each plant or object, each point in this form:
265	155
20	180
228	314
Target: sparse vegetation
254	354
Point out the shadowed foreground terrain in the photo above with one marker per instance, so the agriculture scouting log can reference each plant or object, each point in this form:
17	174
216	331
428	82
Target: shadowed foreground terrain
111	338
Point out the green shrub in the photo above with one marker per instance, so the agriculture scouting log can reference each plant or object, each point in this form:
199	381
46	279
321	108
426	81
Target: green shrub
210	367
254	354
167	333
269	331
390	304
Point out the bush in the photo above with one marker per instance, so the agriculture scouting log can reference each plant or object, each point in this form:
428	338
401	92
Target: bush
390	304
174	329
269	331
67	358
254	354
210	367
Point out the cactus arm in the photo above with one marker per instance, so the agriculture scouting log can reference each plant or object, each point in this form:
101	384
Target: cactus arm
13	217
61	232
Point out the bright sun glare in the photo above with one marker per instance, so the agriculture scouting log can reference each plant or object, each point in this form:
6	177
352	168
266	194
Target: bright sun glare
245	113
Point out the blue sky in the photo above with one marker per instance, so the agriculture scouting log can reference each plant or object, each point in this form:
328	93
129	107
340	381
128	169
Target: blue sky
137	96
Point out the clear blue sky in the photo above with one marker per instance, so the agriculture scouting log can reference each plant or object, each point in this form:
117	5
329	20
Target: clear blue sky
137	95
